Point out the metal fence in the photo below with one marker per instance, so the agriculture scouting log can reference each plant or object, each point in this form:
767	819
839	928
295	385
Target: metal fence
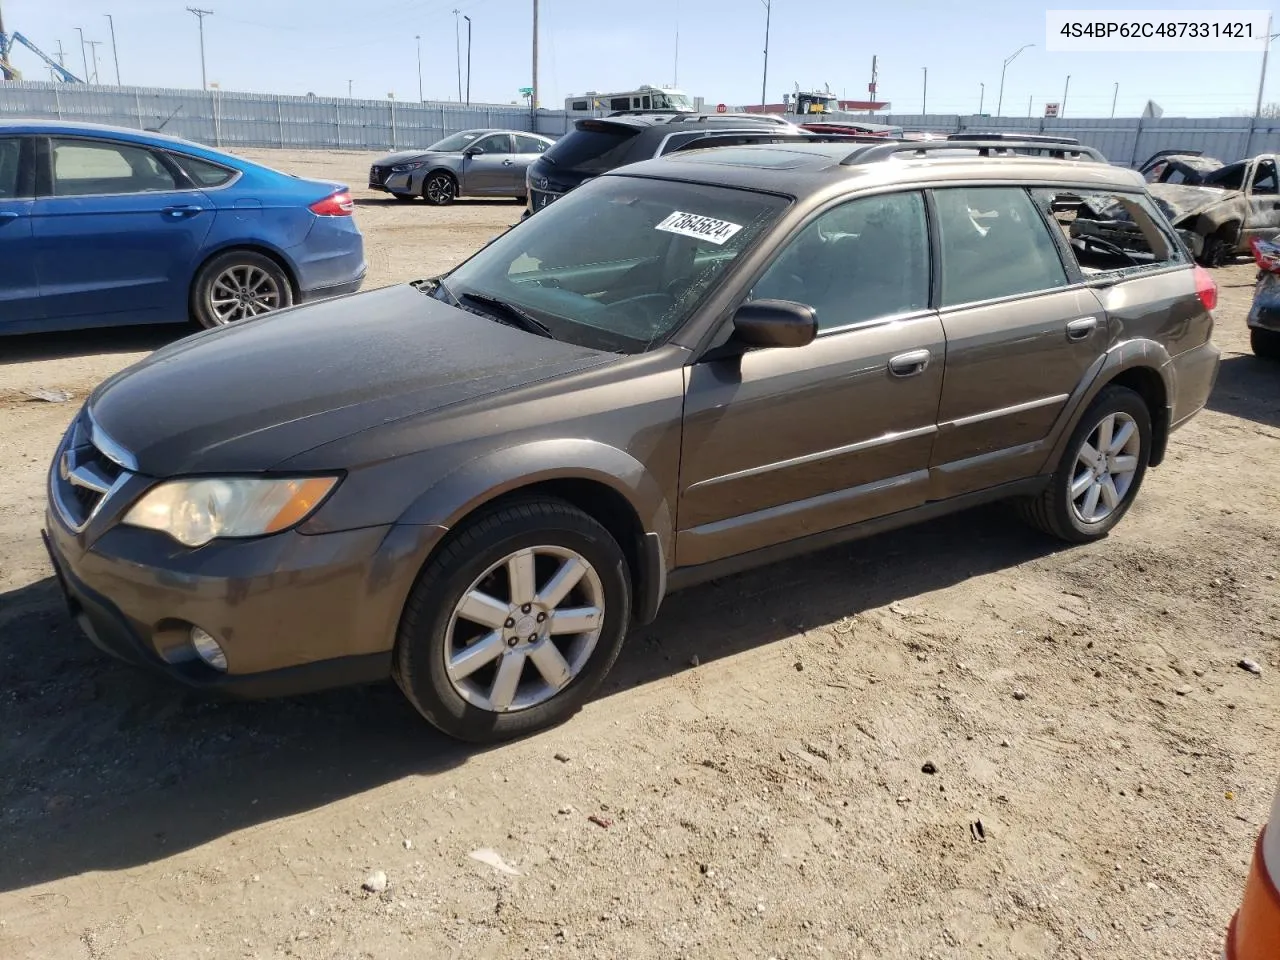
225	119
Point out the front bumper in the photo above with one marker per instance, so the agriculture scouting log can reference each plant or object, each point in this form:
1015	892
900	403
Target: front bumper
292	612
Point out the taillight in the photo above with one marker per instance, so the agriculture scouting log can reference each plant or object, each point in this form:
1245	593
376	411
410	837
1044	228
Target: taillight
1266	253
339	204
1206	288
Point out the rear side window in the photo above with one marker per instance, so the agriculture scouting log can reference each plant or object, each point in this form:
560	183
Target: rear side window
1110	232
84	168
994	244
202	172
10	148
595	149
529	145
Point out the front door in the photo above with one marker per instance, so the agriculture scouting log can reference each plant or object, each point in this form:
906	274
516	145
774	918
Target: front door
1264	202
784	442
19	293
1019	339
488	165
116	239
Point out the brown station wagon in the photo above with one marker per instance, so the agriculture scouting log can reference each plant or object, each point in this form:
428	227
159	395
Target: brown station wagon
472	484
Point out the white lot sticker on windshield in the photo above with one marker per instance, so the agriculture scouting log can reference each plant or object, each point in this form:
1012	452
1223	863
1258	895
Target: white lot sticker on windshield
702	228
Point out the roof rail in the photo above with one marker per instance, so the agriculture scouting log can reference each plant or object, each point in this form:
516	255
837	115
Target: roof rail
983	148
1027	137
747	137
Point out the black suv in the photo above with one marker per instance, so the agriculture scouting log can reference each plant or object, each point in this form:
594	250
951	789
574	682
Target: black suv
599	144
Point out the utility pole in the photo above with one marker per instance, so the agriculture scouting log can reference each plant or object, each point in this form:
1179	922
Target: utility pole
1062	107
1257	110
1008	60
418	38
1029	96
1115	94
200	15
84	59
675	79
764	79
349	83
114	55
457	49
533	96
95	44
468	19
62	62
982	96
924	94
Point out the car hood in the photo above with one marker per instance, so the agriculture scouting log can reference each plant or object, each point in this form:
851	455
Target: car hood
247	397
404	156
1181	200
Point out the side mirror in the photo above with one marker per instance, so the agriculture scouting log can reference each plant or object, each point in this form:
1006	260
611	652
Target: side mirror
775	323
472	151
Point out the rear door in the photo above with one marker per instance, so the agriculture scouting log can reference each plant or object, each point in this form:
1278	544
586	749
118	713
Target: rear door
19	293
527	150
116	233
487	167
1020	337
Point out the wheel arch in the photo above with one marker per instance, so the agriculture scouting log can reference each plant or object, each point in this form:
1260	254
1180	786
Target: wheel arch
451	174
604	482
266	250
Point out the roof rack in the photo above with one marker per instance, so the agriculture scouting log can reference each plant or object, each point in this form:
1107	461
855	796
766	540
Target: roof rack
747	137
1026	137
983	148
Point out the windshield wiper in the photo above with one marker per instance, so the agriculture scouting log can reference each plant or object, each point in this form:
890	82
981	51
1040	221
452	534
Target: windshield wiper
523	319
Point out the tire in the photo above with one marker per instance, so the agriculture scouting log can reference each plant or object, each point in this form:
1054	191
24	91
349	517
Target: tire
1265	343
522	199
440	188
1055	511
1218	247
218	294
477	557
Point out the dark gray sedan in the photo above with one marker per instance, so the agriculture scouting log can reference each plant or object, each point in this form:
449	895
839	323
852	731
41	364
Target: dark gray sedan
473	163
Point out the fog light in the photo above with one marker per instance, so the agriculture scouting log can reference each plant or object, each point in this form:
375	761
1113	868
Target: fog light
208	649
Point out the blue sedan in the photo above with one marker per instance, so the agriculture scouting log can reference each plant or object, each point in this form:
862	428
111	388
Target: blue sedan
102	226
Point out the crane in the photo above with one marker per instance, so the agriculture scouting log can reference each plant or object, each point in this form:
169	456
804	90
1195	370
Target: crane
10	72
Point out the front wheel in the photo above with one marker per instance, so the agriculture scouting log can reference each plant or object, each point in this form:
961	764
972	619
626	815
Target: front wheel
515	623
440	189
1265	343
238	285
1100	472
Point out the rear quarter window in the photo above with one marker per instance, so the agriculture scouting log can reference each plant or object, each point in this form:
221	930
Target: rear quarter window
593	150
203	173
1111	232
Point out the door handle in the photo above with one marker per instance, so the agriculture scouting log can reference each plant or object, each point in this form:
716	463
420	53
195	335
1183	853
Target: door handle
909	364
7	215
180	213
507	163
1079	329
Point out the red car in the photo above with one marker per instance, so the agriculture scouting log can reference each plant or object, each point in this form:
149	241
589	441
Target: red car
853	127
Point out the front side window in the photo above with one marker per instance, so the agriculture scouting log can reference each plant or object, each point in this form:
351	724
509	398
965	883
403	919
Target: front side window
1110	232
862	260
497	143
86	168
1264	181
10	149
620	103
994	243
619	263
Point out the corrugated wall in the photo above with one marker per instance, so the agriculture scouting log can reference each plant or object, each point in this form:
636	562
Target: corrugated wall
257	120
266	120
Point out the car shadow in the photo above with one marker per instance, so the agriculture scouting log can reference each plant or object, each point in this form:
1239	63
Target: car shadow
1248	388
108	767
412	204
26	347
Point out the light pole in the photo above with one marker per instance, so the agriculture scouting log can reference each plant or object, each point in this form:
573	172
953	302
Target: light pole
1062	107
457	49
1114	95
1008	60
924	93
1257	110
418	38
533	89
764	78
84	59
982	96
200	15
349	83
468	19
114	55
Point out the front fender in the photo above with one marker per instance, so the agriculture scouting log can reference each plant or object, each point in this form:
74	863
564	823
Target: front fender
1131	354
478	481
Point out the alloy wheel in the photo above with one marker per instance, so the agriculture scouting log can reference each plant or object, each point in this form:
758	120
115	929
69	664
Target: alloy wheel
439	188
243	291
524	629
1105	468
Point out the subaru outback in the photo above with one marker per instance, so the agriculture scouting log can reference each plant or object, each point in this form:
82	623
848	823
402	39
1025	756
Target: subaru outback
474	483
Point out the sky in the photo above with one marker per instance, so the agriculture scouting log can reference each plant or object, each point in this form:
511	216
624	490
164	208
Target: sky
319	46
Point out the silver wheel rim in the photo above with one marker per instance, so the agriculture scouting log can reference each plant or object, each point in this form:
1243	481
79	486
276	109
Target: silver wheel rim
512	644
439	188
243	291
1105	467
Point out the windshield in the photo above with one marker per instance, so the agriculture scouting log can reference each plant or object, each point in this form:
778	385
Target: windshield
456	143
620	263
673	101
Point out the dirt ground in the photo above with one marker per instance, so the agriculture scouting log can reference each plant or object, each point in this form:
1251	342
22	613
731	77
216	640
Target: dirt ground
1083	705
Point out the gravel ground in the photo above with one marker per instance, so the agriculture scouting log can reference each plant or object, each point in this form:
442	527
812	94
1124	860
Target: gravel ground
951	742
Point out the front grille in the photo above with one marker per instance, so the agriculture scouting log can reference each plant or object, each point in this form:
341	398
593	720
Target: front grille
377	176
83	475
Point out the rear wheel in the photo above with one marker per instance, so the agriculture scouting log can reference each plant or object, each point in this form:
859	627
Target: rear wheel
515	622
238	285
1100	472
1265	344
440	189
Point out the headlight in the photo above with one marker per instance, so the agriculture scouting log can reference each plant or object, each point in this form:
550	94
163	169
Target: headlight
194	512
406	167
